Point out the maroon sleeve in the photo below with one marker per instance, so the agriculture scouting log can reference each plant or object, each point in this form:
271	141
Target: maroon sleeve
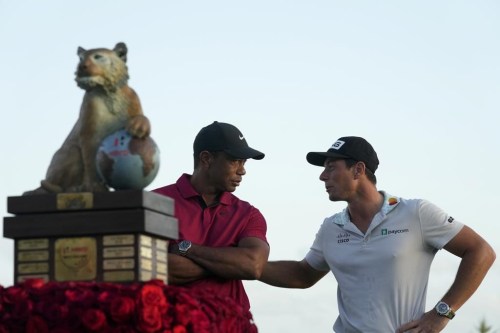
255	227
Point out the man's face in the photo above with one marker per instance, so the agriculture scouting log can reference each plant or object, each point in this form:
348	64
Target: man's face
338	179
225	172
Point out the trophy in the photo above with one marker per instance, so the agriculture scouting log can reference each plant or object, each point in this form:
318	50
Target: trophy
73	227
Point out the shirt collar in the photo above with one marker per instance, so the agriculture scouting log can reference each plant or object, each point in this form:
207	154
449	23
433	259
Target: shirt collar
187	190
390	202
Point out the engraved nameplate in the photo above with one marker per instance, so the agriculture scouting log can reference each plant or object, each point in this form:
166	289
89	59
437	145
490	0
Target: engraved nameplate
22	278
146	252
146	276
161	244
128	263
146	264
146	240
33	244
118	252
40	267
114	240
161	256
117	276
161	268
33	255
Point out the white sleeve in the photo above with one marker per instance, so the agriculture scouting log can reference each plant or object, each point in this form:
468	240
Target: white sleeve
438	227
315	256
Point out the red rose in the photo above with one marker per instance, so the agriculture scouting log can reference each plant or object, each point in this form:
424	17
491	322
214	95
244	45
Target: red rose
179	329
150	319
36	324
182	315
34	283
122	309
94	319
82	296
21	309
52	310
123	329
13	295
104	296
152	295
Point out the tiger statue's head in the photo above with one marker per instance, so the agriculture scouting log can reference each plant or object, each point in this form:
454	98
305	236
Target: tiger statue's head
102	68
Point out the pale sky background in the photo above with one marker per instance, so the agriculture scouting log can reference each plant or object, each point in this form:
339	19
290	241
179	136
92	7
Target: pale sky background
419	79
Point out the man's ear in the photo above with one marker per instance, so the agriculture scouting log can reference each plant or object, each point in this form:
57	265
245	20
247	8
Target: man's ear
205	158
359	169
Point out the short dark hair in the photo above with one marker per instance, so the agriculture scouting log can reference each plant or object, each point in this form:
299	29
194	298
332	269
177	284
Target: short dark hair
197	156
349	162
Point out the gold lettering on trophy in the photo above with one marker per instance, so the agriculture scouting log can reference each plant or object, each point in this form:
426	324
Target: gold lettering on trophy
80	200
75	259
39	267
22	278
117	276
114	240
146	240
161	256
32	255
161	268
146	276
146	264
118	252
118	264
146	252
33	244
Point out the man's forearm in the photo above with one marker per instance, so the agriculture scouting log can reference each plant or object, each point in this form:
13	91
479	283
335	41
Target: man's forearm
244	262
290	274
471	272
182	270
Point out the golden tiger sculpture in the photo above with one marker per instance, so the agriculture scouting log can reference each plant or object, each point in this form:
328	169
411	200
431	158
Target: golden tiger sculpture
109	104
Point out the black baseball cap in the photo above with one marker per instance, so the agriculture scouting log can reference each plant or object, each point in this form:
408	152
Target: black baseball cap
227	138
352	147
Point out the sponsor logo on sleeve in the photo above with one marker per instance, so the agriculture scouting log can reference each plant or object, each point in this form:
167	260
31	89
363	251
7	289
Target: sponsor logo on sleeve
451	219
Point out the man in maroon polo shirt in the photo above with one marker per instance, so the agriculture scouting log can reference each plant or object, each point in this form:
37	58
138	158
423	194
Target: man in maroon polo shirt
222	239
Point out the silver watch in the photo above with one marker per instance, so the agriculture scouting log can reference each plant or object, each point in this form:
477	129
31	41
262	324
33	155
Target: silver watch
444	310
184	247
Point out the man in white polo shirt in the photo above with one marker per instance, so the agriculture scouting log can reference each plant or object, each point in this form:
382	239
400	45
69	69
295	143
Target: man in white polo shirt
380	250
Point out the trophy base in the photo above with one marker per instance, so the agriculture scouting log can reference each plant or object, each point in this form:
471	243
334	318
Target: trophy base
111	237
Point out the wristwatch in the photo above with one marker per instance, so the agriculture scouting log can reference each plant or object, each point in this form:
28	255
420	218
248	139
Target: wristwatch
184	247
444	310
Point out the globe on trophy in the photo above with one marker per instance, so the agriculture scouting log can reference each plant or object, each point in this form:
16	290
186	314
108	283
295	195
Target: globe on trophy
125	162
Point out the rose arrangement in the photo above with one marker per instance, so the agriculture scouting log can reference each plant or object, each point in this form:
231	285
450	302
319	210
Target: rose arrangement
149	307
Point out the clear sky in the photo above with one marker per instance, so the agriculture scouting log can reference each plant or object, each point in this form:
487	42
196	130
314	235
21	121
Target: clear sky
419	79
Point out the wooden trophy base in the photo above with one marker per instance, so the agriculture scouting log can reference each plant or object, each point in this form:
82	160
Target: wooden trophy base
119	236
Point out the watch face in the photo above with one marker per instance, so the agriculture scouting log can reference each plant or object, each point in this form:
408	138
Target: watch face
184	245
443	308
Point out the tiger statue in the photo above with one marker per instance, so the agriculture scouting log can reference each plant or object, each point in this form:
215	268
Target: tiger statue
109	104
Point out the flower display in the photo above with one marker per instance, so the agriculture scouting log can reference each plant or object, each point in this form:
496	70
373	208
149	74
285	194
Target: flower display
148	307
